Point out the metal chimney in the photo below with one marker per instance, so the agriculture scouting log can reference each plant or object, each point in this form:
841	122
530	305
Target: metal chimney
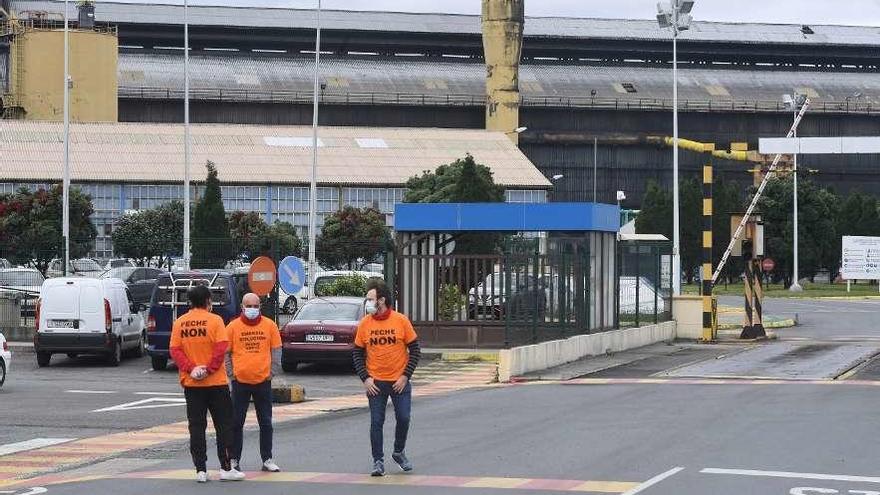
86	14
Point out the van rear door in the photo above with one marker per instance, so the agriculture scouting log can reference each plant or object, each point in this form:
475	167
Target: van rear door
60	308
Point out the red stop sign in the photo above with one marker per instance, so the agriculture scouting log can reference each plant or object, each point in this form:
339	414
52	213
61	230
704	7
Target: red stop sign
768	264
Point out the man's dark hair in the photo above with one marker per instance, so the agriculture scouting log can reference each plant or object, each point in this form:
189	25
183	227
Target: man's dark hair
199	296
381	289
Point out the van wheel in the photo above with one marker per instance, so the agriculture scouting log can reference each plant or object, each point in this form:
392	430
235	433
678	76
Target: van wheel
141	349
43	359
159	363
289	306
115	356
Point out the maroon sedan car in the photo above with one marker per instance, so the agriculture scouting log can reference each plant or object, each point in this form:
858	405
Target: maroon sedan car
322	331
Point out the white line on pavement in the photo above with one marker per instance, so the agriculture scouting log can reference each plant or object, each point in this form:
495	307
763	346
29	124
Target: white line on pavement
160	393
35	443
90	391
653	481
785	474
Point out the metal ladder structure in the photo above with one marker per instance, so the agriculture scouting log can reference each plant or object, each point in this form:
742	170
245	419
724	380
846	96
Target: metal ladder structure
180	286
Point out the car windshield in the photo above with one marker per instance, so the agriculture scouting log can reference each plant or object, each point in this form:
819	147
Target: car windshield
329	311
121	272
27	278
86	265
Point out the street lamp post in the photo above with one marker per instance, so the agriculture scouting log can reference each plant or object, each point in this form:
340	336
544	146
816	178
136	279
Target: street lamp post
313	187
65	182
794	102
187	255
675	15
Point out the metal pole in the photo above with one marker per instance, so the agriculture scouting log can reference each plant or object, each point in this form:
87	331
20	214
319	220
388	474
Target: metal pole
186	138
595	161
313	190
65	221
795	286
676	258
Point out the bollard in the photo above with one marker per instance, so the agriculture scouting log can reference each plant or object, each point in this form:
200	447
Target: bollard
288	393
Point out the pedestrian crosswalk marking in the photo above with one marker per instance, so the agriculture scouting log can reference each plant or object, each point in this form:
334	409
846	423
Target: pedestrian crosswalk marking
32	444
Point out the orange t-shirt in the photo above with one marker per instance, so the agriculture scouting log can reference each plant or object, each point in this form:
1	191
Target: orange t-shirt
195	333
386	343
251	348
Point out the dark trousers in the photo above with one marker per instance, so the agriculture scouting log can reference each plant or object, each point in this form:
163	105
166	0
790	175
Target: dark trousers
199	401
242	393
402	405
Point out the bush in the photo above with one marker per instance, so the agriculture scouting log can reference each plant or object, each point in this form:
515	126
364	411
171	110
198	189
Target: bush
346	285
451	300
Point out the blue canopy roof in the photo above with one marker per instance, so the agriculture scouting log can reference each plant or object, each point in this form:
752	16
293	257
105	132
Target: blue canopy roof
506	217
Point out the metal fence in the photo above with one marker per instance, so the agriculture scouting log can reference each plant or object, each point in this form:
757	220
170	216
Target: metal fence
644	283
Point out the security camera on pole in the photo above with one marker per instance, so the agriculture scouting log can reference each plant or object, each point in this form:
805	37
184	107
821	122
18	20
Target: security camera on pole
675	14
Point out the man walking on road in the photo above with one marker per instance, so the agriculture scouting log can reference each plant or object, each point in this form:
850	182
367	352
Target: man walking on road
198	346
386	354
255	352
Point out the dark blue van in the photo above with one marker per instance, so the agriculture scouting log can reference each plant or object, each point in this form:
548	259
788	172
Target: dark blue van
169	301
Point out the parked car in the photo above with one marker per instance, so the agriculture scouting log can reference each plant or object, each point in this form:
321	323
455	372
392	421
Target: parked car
169	301
527	297
322	331
82	267
648	295
25	284
5	359
78	315
324	279
139	280
118	263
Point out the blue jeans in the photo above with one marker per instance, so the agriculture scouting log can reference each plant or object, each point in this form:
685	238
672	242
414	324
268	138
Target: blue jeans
402	404
241	398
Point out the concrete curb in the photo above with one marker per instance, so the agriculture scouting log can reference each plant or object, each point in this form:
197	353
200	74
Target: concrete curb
786	323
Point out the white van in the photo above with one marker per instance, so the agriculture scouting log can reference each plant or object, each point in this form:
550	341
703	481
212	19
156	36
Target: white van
77	315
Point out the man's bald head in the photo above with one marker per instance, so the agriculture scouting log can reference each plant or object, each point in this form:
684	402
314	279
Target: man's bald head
250	299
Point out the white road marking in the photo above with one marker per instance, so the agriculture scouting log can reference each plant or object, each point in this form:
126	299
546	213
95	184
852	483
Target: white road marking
653	481
36	443
786	474
180	394
37	490
151	403
90	391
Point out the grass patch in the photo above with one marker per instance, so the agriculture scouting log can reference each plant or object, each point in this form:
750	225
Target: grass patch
778	290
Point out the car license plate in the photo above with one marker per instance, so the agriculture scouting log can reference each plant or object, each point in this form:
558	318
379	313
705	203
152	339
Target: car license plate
61	323
319	337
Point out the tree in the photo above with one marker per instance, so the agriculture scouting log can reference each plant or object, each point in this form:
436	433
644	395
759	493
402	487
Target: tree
726	200
655	216
691	227
152	233
858	216
211	244
352	234
463	181
31	225
252	237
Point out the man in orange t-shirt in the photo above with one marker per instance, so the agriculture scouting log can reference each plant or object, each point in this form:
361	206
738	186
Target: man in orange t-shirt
198	346
386	354
254	347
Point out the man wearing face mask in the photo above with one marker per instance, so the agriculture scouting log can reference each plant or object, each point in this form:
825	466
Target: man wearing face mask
386	354
255	353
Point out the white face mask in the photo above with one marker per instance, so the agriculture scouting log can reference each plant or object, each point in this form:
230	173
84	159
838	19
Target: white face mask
251	313
371	307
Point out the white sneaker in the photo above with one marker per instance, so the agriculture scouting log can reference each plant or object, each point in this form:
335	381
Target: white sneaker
234	464
231	475
201	477
269	465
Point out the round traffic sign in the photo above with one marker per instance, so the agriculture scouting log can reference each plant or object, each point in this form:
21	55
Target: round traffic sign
768	264
291	274
261	276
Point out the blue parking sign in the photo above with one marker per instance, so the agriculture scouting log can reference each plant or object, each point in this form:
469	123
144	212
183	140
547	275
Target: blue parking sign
291	274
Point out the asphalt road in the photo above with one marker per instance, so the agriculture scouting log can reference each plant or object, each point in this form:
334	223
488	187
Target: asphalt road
823	319
617	436
65	400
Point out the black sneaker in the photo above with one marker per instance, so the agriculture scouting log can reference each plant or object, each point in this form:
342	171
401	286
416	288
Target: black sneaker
378	468
402	461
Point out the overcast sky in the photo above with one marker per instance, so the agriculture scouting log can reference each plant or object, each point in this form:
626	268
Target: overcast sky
853	12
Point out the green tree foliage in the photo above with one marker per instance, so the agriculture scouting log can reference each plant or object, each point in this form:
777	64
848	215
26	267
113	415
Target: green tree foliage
31	225
818	232
211	244
655	216
463	181
726	200
352	234
149	234
347	285
251	236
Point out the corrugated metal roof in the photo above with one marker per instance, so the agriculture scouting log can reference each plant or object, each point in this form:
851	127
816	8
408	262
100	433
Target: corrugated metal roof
154	153
246	71
554	27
